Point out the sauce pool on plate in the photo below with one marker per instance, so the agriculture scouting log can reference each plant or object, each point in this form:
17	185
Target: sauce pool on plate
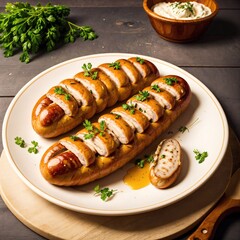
137	177
181	10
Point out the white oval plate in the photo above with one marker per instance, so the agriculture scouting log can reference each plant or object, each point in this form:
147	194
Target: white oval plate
208	131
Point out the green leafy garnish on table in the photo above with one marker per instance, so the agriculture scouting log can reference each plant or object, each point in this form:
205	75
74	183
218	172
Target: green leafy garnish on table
104	193
28	29
200	156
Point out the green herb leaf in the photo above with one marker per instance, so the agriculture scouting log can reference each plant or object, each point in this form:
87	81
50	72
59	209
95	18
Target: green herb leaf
34	148
104	193
87	71
19	141
182	129
156	88
200	156
142	96
170	80
140	60
115	65
129	107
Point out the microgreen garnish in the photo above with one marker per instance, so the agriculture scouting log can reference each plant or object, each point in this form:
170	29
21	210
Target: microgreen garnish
19	141
34	148
87	71
61	91
170	80
142	96
141	162
104	193
156	88
200	156
140	60
115	65
129	107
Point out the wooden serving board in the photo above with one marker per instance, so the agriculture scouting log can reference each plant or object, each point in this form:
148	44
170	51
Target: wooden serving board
54	222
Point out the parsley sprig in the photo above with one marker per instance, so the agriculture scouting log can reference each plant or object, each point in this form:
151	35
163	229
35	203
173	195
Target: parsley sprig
19	141
200	156
29	29
104	193
142	96
129	107
141	162
61	91
115	65
87	71
34	148
156	88
92	130
140	60
170	80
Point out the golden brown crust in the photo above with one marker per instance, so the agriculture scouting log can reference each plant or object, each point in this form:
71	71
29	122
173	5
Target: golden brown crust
103	166
61	123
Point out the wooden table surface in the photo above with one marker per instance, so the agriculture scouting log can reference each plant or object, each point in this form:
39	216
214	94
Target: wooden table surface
122	26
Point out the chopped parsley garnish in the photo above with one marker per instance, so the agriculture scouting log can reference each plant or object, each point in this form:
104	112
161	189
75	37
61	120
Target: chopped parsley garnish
142	96
74	137
129	107
200	157
34	148
156	88
61	91
115	65
104	193
170	80
92	131
140	60
141	162
19	141
87	71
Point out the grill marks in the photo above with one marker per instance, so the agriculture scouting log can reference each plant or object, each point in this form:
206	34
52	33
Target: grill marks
120	126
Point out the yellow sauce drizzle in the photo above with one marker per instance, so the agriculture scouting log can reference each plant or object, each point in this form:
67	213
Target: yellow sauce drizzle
137	177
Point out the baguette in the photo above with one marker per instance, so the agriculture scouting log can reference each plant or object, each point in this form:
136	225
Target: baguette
66	105
60	166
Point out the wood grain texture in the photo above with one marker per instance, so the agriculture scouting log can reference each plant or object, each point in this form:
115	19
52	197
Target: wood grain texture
168	222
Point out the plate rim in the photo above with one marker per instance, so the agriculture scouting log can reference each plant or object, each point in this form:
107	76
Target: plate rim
114	212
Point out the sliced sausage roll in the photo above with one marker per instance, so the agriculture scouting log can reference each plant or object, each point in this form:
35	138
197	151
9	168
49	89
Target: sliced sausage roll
136	119
85	155
133	75
111	87
167	163
119	77
65	100
147	105
171	84
164	98
78	91
99	139
119	127
96	87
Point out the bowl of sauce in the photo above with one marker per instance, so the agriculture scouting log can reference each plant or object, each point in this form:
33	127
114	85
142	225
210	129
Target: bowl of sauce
180	21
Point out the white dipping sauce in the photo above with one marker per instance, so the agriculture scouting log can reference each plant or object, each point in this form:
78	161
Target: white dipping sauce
181	10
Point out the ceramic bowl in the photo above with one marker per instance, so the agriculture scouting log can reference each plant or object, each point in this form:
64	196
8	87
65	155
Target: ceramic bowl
179	30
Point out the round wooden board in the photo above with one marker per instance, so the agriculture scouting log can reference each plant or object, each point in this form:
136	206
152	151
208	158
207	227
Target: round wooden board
54	222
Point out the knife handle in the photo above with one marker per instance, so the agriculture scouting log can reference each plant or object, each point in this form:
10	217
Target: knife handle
207	228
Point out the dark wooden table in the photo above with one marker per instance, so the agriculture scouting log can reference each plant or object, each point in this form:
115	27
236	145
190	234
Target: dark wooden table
123	26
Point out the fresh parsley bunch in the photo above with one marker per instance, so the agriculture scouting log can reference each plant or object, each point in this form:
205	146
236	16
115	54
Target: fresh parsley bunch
28	28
